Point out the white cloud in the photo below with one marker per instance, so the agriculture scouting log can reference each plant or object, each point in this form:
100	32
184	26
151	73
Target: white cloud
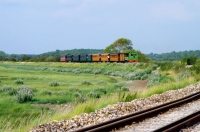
169	10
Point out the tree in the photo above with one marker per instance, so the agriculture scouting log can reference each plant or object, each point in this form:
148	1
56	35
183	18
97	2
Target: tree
119	46
26	58
191	60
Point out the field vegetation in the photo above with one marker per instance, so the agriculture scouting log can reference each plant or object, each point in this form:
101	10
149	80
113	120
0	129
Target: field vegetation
37	92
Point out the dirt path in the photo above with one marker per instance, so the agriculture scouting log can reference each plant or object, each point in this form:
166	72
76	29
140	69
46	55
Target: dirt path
138	85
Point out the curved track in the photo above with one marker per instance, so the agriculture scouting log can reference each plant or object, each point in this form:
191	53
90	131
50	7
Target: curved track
181	124
138	116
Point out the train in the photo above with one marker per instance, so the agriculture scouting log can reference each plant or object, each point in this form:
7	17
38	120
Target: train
105	57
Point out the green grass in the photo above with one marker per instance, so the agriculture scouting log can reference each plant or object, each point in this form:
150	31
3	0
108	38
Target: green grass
64	87
76	82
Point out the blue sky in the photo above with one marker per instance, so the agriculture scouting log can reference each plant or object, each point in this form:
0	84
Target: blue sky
157	26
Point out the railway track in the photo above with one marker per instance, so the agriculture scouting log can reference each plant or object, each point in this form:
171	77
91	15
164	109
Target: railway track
185	122
139	116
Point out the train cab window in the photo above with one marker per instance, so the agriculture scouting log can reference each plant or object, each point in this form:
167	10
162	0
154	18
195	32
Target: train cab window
133	55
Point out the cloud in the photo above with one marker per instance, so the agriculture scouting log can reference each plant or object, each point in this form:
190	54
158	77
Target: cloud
169	10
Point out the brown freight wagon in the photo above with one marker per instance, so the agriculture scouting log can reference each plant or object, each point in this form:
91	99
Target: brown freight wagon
114	57
105	57
96	57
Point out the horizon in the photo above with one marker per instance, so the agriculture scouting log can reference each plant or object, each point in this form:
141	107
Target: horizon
36	27
94	49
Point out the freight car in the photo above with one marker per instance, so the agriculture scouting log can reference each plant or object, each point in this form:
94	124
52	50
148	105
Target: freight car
112	57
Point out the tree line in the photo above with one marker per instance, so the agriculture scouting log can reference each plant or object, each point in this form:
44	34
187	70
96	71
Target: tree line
121	45
174	56
53	56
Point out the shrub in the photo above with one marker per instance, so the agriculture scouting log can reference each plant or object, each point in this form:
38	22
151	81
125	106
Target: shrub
73	89
102	90
96	71
86	83
19	81
124	89
144	77
154	67
11	91
196	68
183	75
107	73
54	83
5	88
191	60
154	79
94	94
101	82
46	92
87	71
24	94
79	97
76	71
8	90
129	97
118	85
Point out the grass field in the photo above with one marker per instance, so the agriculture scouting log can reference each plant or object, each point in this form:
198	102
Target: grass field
63	90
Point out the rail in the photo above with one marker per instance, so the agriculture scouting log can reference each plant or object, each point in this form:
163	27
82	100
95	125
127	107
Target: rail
138	116
181	124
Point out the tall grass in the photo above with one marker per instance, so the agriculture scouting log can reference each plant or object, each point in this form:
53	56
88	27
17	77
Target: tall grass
73	88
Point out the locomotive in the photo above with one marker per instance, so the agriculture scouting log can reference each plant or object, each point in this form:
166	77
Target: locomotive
105	57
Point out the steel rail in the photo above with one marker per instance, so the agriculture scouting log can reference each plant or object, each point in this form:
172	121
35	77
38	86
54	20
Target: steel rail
137	116
185	122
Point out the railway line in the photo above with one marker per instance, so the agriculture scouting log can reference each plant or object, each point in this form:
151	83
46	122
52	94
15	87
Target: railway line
116	116
152	124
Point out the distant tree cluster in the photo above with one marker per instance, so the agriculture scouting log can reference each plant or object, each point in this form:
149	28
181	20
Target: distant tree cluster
119	46
53	56
174	56
189	60
123	45
73	51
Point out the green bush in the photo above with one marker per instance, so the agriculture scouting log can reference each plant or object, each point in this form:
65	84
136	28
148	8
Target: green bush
130	96
154	67
101	89
94	94
24	94
97	71
164	66
5	88
196	68
11	92
154	79
19	81
124	89
76	71
8	90
46	92
87	70
80	98
86	83
73	89
118	85
183	75
54	83
101	82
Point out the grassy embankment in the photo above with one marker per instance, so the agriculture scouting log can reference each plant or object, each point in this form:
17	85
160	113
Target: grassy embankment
89	86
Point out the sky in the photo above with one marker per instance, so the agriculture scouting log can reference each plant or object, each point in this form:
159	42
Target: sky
153	26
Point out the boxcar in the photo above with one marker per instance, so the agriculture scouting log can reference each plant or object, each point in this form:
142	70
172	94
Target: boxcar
96	57
105	57
76	58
